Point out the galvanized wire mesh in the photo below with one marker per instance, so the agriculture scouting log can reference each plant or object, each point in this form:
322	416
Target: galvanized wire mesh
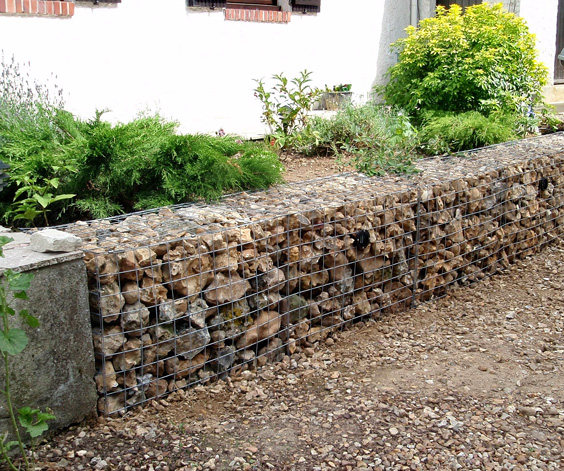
183	295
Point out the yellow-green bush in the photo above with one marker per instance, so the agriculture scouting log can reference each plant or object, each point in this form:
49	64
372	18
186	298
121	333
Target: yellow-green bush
483	59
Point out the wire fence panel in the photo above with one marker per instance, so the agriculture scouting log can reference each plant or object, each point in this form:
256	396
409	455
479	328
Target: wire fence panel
191	293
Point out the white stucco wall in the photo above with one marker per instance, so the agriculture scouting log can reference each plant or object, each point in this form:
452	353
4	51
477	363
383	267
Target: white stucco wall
197	68
194	66
541	16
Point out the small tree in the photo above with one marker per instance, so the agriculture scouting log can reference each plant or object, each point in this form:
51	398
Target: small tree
483	60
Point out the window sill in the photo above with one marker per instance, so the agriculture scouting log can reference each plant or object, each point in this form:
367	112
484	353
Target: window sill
257	16
37	8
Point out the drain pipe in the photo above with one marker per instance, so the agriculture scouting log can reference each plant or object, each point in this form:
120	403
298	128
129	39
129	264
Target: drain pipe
414	12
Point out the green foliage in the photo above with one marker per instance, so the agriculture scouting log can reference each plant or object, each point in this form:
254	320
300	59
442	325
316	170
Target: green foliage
34	421
378	139
62	168
144	164
450	132
481	60
286	106
342	87
12	342
39	140
38	196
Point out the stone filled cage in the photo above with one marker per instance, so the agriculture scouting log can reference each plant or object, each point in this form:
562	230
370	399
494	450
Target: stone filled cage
191	293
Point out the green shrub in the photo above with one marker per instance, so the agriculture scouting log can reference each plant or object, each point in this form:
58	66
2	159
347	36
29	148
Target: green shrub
39	140
285	107
464	131
62	168
378	139
144	164
483	60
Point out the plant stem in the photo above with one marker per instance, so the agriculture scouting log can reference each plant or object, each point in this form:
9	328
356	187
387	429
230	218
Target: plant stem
8	396
7	392
4	454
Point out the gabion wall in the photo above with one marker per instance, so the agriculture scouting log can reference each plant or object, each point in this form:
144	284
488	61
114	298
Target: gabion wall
186	294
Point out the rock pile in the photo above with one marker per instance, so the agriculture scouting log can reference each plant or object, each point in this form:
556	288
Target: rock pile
181	295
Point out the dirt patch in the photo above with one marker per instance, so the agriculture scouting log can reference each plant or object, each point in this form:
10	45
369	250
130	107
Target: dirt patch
299	168
473	381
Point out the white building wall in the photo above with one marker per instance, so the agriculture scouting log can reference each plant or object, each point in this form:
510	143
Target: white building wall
197	68
541	16
194	66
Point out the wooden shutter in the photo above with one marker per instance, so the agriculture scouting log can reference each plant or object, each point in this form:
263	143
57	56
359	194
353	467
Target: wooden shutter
306	6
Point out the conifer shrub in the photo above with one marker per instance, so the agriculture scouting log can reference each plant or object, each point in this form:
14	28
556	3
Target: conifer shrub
448	132
145	164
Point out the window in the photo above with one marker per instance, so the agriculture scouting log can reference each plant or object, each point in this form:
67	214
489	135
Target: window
298	6
207	3
306	6
255	4
462	3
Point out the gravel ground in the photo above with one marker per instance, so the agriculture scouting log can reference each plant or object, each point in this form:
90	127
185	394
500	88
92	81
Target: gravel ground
472	381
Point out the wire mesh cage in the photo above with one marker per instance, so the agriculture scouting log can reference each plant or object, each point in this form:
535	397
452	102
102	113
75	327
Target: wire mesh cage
187	294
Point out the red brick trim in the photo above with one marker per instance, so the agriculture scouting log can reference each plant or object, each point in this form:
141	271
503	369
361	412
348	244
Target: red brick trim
63	8
257	16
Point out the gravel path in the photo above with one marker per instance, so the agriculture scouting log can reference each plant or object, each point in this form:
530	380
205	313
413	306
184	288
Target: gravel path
473	381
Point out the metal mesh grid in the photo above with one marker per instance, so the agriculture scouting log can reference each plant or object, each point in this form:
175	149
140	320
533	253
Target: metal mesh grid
184	295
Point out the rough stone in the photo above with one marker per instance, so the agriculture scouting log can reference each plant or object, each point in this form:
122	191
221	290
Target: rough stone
266	325
226	288
53	240
135	318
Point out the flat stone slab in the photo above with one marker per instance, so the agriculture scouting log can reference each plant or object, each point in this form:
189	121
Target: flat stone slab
19	256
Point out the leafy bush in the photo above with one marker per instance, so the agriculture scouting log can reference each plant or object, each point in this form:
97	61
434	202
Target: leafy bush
464	131
378	139
286	106
39	141
483	60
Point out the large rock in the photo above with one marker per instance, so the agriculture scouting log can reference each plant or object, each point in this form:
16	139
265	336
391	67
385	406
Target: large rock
226	288
189	342
135	318
130	357
182	368
52	240
170	310
110	342
267	324
108	301
106	378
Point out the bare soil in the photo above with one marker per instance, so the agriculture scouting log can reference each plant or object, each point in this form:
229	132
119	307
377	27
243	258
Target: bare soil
299	168
473	381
